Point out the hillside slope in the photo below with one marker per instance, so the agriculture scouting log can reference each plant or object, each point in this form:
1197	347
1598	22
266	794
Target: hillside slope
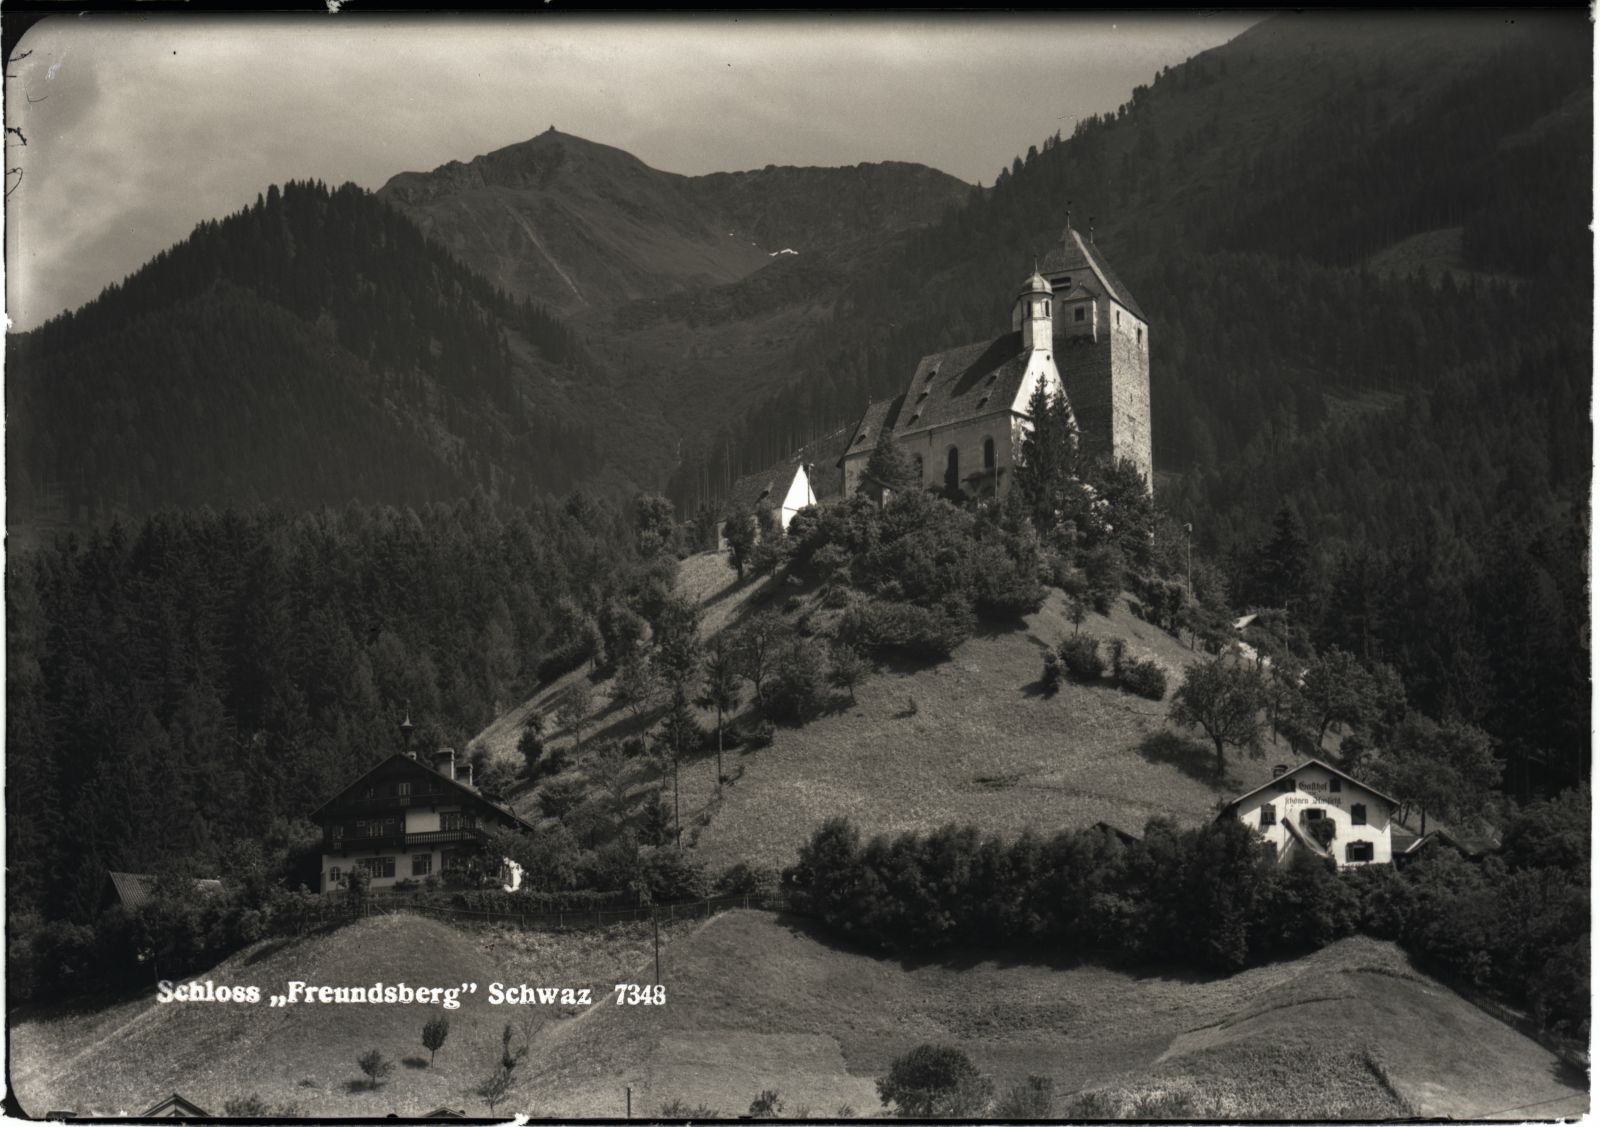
973	740
121	1059
1352	1031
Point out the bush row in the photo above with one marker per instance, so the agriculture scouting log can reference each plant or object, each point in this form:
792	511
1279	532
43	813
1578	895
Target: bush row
1213	897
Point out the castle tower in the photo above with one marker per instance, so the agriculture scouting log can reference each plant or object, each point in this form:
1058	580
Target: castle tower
1102	345
1033	313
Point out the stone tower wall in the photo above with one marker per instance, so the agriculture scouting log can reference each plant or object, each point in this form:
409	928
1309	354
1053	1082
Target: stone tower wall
1129	393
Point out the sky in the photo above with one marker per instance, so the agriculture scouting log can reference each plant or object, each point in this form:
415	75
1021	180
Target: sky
138	128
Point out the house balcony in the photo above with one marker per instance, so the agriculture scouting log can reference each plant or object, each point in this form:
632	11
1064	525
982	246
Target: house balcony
424	839
449	837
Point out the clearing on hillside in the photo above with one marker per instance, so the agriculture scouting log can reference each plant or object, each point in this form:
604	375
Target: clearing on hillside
972	740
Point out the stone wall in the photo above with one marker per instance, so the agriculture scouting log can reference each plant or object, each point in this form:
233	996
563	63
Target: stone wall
1129	393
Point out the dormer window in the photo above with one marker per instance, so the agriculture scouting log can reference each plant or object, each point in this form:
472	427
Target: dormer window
921	395
983	399
862	437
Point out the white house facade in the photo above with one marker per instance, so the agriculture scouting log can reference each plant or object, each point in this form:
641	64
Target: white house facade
1321	810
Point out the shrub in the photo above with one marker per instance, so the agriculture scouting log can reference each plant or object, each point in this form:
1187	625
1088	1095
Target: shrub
767	1105
799	685
910	629
1081	656
1145	678
935	1080
1030	1099
761	733
1118	648
561	797
670	877
376	1066
678	1109
1052	671
741	879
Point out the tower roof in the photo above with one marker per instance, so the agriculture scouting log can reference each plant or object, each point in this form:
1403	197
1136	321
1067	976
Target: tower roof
1075	254
1035	284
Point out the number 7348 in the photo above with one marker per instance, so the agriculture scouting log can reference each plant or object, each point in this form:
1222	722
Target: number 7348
629	994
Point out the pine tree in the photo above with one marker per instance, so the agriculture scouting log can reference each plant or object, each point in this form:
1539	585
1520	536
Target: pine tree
1048	458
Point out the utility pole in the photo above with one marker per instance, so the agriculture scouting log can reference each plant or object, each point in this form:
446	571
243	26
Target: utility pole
629	1090
655	922
677	808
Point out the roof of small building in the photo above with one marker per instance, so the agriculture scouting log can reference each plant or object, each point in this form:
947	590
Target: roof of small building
1074	253
469	794
771	484
175	1107
1368	787
134	890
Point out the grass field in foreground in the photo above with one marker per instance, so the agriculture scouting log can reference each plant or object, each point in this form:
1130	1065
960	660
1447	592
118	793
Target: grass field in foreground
122	1059
760	1002
757	1001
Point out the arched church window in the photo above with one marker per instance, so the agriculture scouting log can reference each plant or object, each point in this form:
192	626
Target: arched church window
952	472
988	453
916	462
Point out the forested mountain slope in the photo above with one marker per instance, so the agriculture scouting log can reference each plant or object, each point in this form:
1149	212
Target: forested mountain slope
312	348
692	290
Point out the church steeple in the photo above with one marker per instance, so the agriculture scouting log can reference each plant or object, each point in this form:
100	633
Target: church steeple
1031	315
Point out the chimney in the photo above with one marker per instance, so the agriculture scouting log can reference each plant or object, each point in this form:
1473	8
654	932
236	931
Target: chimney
1279	770
444	762
469	775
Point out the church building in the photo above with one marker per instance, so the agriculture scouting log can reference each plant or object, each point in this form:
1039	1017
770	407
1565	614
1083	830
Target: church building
961	419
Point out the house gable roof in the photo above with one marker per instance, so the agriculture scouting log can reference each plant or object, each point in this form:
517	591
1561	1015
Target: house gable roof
770	485
176	1107
461	791
1074	254
1297	768
134	890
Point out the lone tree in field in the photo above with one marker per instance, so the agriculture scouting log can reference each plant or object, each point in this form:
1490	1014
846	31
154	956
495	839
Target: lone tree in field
376	1066
935	1080
498	1083
574	709
740	533
1224	699
434	1031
